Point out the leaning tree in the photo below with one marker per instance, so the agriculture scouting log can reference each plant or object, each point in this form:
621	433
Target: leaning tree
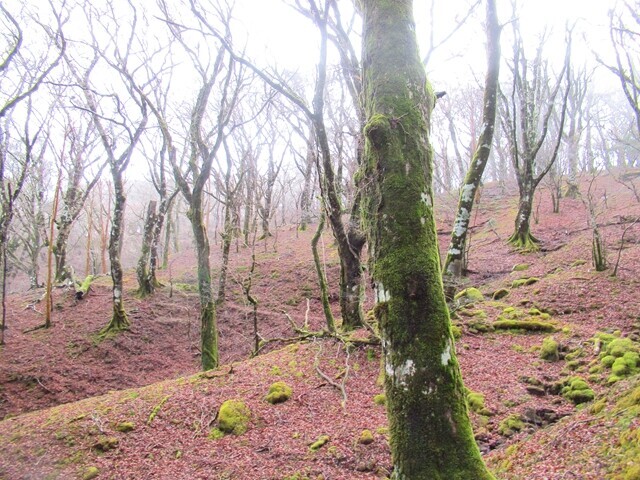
430	432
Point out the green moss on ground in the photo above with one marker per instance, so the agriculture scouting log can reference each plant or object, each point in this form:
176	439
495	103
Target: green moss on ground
501	293
125	427
520	267
90	473
620	355
380	399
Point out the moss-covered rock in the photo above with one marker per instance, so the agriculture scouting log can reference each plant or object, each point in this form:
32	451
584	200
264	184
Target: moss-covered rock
366	437
233	417
104	443
319	443
125	426
528	325
510	425
577	390
468	295
279	392
520	267
475	402
620	354
456	331
522	282
550	350
90	473
500	293
380	399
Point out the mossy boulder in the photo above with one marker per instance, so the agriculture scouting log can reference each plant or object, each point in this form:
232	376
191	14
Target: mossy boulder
233	417
527	325
510	425
104	443
520	267
279	392
468	295
522	282
500	293
319	443
550	350
125	427
90	473
366	437
577	390
619	354
475	402
380	399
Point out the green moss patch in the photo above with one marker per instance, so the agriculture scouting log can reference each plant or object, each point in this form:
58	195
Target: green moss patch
104	443
523	282
469	295
501	293
279	392
528	325
510	425
90	473
621	355
475	402
366	437
577	390
125	427
550	350
233	417
319	443
380	399
520	267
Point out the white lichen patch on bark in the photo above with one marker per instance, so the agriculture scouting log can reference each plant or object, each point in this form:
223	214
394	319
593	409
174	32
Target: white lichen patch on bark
382	295
423	220
467	193
460	226
446	355
454	251
426	198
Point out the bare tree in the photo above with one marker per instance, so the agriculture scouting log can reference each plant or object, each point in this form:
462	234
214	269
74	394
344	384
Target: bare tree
120	117
21	75
525	116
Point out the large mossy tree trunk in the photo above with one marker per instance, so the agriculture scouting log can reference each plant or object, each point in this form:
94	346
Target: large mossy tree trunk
455	261
430	432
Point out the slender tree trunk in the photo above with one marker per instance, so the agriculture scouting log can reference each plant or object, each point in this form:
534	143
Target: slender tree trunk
119	320
52	224
455	261
430	432
145	285
322	280
227	236
208	330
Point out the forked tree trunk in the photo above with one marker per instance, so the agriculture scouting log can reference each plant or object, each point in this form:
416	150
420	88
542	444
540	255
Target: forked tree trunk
522	237
430	432
322	279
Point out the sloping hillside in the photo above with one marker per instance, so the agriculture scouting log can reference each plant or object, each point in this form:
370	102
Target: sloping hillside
552	367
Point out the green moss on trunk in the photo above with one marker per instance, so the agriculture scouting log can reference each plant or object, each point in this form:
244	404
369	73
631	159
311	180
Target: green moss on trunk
430	432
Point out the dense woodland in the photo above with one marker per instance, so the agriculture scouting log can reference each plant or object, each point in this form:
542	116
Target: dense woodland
405	247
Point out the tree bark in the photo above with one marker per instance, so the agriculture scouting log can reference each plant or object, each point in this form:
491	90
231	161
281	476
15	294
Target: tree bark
455	261
430	432
145	285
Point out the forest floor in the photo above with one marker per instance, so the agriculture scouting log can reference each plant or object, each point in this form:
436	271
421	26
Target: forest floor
134	406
